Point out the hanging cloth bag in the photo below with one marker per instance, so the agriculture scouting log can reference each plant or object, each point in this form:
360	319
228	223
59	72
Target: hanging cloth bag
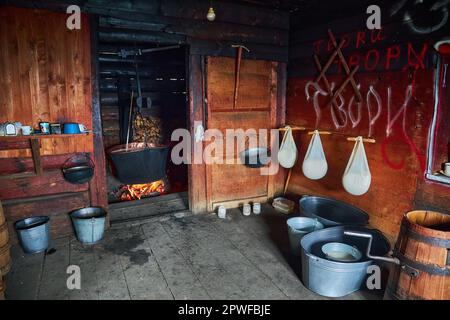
287	155
315	164
357	177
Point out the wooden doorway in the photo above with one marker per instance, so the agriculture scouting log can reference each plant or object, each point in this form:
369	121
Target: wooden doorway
256	108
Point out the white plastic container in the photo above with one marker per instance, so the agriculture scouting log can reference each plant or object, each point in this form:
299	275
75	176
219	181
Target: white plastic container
246	209
256	208
222	212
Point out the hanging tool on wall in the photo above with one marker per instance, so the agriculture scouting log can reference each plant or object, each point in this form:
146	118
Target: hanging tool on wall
123	53
237	70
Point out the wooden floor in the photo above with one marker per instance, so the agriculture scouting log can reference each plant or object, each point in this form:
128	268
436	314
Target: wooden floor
177	256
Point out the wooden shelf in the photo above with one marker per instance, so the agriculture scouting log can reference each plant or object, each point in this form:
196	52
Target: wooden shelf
30	142
41	136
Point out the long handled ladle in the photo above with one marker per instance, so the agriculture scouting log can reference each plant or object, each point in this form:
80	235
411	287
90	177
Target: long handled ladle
129	120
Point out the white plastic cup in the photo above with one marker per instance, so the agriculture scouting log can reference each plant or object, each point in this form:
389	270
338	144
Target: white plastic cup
247	209
256	208
222	212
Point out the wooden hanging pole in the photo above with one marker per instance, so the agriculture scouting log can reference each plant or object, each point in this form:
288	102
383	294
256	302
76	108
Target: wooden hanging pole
368	140
237	71
294	128
320	132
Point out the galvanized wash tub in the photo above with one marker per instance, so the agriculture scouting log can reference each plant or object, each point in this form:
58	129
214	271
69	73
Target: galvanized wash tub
332	212
336	279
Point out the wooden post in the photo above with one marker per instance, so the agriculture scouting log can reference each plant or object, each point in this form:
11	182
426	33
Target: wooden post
35	146
196	172
97	186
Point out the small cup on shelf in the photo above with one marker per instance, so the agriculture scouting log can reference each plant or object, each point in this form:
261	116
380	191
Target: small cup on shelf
55	128
26	130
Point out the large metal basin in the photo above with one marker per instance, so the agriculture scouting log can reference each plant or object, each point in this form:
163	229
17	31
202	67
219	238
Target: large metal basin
332	212
336	279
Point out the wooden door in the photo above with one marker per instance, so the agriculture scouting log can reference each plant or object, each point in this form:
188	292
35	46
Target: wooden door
235	184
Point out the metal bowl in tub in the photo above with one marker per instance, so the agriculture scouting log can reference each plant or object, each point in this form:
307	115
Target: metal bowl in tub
333	278
332	212
341	252
89	224
299	227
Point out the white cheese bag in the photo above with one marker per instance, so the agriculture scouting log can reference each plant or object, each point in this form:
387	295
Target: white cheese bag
315	164
287	155
357	177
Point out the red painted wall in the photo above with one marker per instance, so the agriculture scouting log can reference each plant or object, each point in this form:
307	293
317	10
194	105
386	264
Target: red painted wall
396	78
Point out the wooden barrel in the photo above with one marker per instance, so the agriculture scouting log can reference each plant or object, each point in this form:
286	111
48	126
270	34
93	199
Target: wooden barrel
2	288
4	234
5	260
2	214
423	248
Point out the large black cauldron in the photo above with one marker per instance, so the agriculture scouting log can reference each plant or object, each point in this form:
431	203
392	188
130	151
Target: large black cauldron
141	163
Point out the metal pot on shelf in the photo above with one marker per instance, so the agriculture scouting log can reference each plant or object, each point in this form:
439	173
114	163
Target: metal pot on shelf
78	169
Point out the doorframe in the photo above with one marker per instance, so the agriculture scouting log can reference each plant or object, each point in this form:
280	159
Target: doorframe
196	172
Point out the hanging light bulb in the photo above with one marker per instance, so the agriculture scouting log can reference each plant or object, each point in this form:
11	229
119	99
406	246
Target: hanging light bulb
211	16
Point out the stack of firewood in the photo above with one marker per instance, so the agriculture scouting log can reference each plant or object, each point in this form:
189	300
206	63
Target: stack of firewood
147	129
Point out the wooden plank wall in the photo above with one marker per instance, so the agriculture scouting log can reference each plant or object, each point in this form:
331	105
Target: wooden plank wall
45	75
45	71
263	30
391	61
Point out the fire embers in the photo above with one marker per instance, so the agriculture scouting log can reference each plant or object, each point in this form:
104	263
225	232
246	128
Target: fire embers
138	191
147	129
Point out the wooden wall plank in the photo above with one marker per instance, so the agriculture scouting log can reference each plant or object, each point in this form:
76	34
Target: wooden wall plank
56	207
45	66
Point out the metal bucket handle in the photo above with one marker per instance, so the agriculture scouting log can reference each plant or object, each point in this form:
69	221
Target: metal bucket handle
77	160
369	246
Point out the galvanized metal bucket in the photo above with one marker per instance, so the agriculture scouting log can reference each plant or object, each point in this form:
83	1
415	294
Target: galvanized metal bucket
33	233
299	227
89	224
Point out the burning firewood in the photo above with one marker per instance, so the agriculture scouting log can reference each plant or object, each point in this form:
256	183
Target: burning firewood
138	191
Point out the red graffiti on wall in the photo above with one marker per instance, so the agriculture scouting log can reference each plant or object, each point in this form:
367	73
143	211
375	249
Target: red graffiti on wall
373	106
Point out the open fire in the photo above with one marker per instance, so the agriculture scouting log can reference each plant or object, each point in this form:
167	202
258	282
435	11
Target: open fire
142	190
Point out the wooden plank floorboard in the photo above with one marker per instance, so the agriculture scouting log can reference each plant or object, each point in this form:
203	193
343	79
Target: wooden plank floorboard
180	277
266	260
84	257
142	272
254	283
111	279
210	272
24	277
54	277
